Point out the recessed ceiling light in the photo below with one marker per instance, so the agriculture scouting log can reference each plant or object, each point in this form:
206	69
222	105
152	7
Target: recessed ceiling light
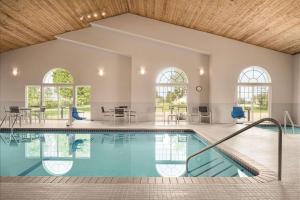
103	13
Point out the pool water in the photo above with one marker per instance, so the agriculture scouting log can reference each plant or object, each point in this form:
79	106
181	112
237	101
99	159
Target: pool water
274	129
147	154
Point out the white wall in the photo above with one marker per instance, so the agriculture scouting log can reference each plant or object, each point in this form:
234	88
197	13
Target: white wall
155	57
35	61
296	88
155	45
121	82
227	57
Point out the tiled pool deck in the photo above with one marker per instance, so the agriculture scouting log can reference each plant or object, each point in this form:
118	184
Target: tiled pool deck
255	149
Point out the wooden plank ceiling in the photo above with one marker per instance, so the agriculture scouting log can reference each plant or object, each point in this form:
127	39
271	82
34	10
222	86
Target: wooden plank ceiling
273	24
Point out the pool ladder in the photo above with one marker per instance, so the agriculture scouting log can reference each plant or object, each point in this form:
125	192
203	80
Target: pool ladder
241	131
12	137
3	120
13	124
287	116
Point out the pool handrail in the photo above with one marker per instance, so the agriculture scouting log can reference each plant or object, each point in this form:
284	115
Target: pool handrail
3	120
241	131
288	116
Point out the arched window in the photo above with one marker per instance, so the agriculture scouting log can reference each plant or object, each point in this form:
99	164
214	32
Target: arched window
253	92
57	93
171	93
254	75
58	76
172	76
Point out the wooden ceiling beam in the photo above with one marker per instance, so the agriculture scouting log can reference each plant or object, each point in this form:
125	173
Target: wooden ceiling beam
12	16
16	26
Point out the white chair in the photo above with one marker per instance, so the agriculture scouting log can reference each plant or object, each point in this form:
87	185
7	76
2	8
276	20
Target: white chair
204	113
15	115
27	114
119	113
131	114
105	113
173	115
182	113
40	113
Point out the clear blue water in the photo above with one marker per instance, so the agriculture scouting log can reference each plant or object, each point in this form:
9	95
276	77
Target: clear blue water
275	129
151	154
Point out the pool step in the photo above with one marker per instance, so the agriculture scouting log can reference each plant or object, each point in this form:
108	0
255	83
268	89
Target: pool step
222	171
194	169
213	168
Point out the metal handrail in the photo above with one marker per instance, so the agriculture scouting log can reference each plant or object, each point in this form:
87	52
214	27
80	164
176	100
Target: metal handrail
288	116
13	124
11	136
3	120
241	131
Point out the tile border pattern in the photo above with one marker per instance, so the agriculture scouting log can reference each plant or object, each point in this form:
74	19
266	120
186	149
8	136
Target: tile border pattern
263	175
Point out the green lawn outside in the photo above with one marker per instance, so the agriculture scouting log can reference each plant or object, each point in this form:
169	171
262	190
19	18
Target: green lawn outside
165	107
52	113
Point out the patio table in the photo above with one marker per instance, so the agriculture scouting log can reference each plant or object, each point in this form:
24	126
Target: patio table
27	111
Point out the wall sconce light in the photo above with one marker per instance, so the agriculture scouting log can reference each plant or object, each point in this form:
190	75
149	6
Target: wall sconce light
101	72
15	71
142	71
103	13
201	71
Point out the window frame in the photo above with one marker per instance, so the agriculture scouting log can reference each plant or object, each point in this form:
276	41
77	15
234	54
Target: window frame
255	84
263	72
43	84
184	85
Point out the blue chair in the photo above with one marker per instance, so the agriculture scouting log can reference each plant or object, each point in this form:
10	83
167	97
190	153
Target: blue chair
77	143
75	114
237	112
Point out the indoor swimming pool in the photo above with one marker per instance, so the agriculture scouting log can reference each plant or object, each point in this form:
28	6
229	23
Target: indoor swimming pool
112	153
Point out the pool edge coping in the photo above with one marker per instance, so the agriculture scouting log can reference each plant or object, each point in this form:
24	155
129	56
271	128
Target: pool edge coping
264	174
